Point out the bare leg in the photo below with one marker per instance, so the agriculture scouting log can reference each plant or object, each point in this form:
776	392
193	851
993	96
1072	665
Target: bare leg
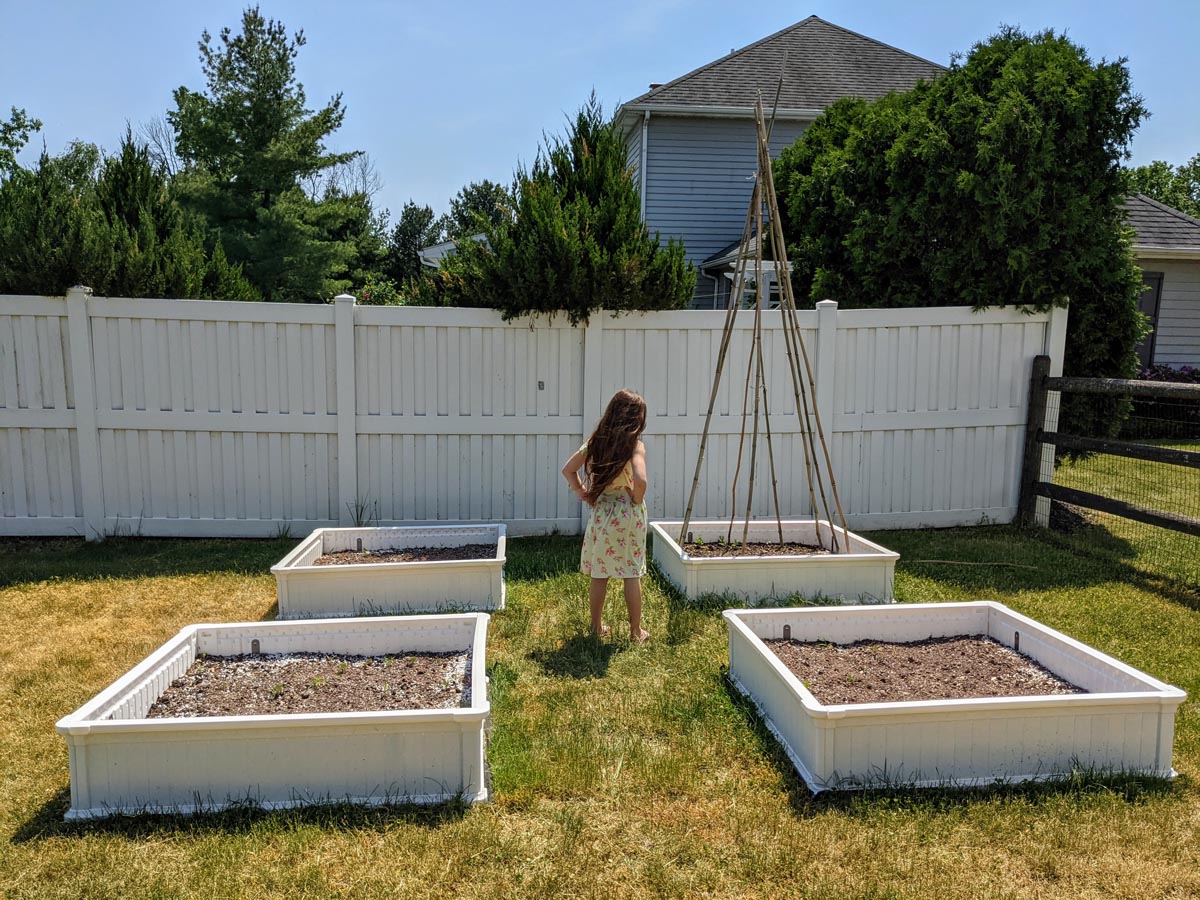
633	601
596	600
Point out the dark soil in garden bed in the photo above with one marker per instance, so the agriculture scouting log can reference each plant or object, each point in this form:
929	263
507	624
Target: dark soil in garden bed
947	668
722	548
407	554
268	684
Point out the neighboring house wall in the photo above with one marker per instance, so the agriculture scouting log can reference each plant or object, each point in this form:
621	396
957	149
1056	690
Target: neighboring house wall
699	174
1177	337
633	149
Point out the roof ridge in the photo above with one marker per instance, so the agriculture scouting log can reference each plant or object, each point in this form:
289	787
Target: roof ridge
720	59
867	37
1178	213
809	20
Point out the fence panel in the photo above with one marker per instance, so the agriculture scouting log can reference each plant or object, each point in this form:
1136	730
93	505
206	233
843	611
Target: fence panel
929	413
215	418
40	491
463	417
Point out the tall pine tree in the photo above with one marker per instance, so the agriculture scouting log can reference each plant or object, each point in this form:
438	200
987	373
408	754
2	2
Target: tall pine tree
576	242
247	143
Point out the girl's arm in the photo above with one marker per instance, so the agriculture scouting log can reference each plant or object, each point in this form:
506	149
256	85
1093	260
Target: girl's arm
571	473
639	473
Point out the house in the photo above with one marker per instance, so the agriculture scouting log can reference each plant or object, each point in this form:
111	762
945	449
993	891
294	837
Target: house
692	145
1167	247
692	141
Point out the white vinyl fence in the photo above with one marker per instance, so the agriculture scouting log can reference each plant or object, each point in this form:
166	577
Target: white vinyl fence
204	418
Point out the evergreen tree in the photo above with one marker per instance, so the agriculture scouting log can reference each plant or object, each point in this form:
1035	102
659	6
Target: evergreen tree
576	241
476	207
999	184
247	144
110	224
417	229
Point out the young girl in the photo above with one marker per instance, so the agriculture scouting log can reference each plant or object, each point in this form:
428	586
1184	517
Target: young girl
614	545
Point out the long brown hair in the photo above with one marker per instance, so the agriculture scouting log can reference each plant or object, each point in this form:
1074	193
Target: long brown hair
611	446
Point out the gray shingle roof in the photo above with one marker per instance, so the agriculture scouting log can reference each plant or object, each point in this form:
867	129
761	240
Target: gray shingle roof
1158	225
821	62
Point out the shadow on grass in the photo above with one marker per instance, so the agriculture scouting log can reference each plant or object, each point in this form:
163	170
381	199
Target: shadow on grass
25	560
1130	787
241	818
581	656
534	558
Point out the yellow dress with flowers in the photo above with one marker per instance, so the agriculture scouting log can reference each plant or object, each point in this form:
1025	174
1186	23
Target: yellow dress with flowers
614	543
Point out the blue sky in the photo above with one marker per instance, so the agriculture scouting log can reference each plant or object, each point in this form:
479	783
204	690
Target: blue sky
441	94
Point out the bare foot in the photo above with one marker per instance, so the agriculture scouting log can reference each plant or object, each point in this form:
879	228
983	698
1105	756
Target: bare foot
641	637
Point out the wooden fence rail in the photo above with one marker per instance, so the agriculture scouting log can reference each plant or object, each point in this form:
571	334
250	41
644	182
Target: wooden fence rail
1039	435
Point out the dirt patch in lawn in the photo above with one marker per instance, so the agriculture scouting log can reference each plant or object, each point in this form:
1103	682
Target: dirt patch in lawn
270	684
752	548
407	554
947	668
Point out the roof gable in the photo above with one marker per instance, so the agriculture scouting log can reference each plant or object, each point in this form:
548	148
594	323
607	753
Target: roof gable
821	62
1158	226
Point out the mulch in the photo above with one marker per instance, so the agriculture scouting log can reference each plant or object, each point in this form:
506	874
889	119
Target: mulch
271	684
407	554
946	668
711	549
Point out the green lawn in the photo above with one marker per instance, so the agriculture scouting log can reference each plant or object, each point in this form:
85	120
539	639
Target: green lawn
1163	487
618	771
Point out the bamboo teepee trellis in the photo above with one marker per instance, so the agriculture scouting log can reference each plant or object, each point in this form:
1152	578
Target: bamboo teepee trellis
763	223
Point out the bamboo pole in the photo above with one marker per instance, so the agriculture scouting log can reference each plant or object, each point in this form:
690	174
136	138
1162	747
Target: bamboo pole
770	446
790	336
756	363
777	231
726	335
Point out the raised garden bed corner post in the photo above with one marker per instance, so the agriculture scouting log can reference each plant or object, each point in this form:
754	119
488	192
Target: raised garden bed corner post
343	329
83	375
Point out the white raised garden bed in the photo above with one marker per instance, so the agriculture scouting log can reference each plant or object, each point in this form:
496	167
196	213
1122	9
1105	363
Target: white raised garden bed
864	575
1125	723
373	588
122	762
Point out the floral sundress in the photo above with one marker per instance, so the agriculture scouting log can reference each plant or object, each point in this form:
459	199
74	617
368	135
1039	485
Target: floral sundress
614	543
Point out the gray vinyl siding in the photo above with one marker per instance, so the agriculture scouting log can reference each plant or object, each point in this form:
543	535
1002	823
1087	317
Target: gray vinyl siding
633	150
1177	339
698	182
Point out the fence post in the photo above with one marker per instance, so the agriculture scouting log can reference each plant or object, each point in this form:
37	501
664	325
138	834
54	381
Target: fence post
826	373
1034	422
593	380
347	408
83	375
1056	348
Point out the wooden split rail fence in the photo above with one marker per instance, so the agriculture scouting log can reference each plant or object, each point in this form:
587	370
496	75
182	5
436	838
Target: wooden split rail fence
1041	433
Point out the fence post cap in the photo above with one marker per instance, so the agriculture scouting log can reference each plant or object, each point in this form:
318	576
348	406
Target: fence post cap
80	289
827	304
345	298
